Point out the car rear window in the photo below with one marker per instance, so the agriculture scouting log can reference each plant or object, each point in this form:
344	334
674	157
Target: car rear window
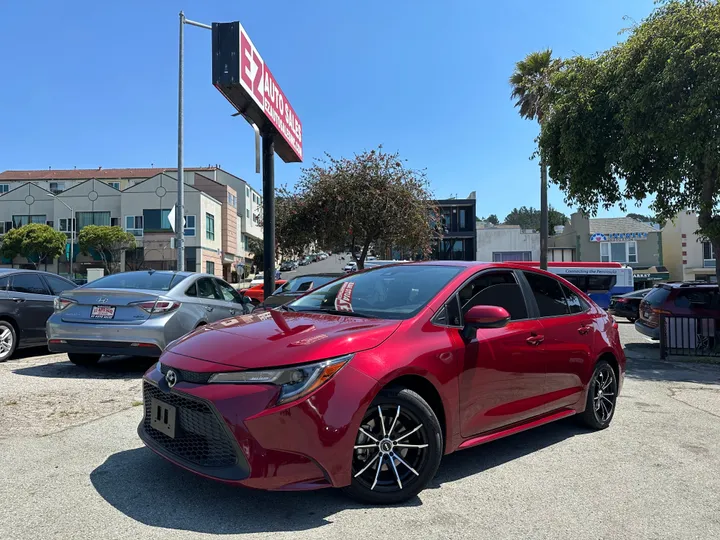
657	296
138	280
706	299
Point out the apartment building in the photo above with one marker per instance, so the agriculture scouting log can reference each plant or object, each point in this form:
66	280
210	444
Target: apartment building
458	241
218	221
506	243
687	256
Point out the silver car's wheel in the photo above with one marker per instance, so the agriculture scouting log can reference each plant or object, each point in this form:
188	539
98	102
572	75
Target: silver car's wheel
8	340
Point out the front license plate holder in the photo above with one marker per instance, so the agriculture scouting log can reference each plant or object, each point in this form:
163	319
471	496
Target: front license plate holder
162	417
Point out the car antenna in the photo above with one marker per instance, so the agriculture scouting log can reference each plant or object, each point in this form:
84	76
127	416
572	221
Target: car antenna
151	271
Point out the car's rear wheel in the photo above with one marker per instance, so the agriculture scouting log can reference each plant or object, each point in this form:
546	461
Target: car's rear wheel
602	397
84	359
8	340
397	449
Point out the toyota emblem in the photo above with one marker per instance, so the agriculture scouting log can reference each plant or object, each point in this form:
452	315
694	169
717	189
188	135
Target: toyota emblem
171	378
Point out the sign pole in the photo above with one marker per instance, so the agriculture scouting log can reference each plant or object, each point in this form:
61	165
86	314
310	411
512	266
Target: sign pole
268	182
180	214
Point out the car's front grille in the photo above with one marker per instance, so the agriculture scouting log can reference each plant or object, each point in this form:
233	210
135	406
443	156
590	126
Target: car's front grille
187	376
199	436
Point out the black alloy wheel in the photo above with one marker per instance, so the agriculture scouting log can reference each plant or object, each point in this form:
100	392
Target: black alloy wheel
397	449
602	397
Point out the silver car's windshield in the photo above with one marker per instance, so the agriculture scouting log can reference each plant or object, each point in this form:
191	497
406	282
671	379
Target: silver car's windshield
149	281
389	292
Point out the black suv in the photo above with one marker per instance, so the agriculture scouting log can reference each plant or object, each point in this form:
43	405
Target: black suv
26	302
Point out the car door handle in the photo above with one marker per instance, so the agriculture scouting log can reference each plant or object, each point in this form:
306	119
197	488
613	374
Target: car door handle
535	339
584	329
17	299
209	308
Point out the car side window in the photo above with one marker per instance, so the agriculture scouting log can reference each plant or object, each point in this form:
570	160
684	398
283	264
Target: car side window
59	285
548	295
4	283
574	302
699	299
28	283
494	289
206	289
191	291
228	293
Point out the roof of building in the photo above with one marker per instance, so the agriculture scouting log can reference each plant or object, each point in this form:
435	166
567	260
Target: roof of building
619	225
86	174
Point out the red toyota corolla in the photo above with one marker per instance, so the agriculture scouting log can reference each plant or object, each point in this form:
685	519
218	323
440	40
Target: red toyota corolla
366	382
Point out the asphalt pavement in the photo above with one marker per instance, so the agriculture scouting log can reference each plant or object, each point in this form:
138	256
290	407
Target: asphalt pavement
81	475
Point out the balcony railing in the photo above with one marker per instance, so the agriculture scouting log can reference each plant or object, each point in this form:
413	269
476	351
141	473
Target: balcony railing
708	263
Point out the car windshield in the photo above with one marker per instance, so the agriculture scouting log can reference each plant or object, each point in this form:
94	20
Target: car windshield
389	292
303	284
150	281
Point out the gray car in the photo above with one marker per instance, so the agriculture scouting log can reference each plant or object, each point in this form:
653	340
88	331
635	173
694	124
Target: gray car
138	313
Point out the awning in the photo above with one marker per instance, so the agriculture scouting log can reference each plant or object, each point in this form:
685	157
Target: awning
650	276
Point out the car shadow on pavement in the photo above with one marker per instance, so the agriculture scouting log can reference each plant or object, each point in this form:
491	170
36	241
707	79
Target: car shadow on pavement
154	492
113	367
653	369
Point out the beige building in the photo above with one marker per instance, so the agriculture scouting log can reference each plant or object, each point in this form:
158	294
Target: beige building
687	256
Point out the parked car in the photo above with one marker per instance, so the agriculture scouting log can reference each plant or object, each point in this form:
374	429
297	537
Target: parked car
26	302
256	294
689	299
366	382
350	267
627	305
296	287
304	261
138	313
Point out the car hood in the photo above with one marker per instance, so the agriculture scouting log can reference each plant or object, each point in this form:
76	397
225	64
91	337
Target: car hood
273	338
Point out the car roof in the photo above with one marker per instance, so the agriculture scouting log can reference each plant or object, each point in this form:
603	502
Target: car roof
689	285
10	271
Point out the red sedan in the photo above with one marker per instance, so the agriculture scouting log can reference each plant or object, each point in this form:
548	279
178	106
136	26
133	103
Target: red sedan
366	382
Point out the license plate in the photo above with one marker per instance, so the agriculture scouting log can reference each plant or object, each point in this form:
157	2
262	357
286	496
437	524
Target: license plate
102	312
162	417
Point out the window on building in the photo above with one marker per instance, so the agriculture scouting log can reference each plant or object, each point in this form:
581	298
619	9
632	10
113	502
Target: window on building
50	223
253	197
134	225
622	252
548	294
189	225
115	185
247	191
247	213
4	188
19	221
210	267
57	187
210	226
708	251
65	225
156	220
246	245
114	222
92	218
510	256
463	215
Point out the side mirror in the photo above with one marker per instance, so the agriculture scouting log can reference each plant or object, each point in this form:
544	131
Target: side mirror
486	317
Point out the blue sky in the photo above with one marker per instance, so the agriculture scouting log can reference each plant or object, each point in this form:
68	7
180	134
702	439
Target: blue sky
86	84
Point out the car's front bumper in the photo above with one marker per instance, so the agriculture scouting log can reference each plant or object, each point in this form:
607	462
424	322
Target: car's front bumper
652	333
301	445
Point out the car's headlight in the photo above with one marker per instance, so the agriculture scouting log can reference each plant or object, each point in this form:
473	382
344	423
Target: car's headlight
294	382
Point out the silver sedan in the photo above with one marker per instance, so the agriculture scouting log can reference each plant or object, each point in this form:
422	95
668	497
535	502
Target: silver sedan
138	313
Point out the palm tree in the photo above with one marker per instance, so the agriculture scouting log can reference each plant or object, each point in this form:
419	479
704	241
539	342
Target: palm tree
531	88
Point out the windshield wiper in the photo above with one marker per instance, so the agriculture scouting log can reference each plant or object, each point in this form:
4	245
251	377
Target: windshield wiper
336	312
287	308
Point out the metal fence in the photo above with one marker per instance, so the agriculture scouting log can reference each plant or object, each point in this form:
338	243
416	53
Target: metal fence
689	336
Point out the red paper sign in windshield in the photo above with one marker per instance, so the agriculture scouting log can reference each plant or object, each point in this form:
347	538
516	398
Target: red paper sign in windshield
343	300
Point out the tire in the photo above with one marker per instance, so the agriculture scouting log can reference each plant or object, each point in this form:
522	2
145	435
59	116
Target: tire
402	474
601	398
84	359
8	340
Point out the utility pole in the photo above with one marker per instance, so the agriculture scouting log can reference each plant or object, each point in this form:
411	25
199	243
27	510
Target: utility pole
268	183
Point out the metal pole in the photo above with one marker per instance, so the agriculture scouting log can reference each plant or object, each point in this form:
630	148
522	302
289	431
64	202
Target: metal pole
543	217
268	182
180	210
72	242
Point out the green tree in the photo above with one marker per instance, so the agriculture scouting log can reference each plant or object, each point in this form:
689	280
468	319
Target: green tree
109	242
642	119
492	218
35	241
530	218
532	92
370	198
257	248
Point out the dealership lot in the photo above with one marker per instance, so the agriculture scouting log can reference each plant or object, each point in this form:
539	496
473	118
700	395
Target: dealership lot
73	467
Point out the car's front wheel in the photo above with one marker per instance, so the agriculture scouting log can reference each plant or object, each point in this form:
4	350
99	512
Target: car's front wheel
8	340
397	449
602	397
84	359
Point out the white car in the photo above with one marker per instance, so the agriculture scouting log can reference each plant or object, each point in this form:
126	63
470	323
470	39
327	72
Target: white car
350	267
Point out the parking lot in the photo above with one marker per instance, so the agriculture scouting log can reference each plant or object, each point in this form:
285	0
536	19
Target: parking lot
73	467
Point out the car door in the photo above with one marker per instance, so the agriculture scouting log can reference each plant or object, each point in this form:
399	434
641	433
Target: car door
33	305
568	326
209	296
502	376
232	301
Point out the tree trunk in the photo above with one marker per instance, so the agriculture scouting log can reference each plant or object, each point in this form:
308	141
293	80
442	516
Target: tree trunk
716	250
709	224
543	216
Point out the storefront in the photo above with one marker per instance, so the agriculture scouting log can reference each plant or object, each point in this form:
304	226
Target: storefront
645	278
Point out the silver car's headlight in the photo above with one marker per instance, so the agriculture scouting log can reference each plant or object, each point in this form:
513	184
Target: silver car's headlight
294	382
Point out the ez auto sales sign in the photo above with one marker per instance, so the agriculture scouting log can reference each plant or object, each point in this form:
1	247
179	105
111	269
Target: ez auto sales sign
240	73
